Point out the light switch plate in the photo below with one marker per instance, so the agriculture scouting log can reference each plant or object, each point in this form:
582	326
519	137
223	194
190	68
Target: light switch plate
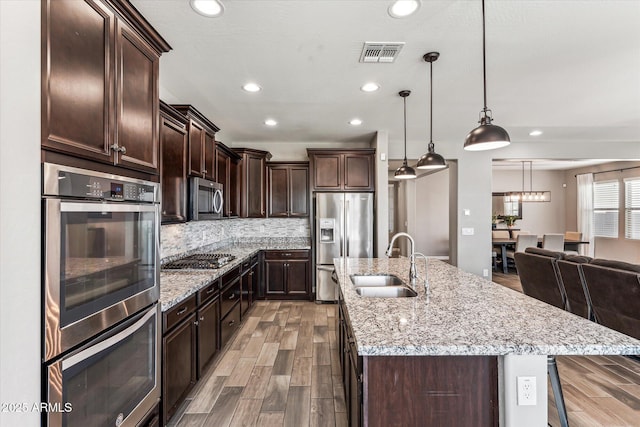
468	231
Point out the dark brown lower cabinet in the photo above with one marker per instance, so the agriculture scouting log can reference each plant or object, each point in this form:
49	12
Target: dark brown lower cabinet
287	274
190	340
416	390
179	373
208	331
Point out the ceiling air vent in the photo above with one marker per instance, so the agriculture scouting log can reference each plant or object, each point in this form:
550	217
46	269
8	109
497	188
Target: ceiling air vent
380	52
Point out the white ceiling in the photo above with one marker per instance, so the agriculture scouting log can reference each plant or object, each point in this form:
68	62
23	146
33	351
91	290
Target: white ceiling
568	67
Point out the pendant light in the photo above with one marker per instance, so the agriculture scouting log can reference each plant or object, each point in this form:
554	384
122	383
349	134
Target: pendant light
431	160
405	171
486	136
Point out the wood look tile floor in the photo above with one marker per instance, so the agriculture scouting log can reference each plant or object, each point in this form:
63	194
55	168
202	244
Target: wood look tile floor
598	390
282	369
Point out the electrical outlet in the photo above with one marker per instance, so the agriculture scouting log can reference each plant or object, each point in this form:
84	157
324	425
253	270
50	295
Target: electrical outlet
527	391
485	272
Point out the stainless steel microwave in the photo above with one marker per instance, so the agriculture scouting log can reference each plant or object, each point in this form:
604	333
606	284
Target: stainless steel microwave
206	200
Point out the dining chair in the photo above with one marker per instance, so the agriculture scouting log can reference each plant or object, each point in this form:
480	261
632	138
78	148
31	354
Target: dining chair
540	280
500	234
523	242
553	242
572	235
516	233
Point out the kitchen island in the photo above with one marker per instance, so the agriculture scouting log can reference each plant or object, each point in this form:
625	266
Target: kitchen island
451	355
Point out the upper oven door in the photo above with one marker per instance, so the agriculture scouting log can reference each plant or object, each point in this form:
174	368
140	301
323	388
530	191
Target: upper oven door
101	266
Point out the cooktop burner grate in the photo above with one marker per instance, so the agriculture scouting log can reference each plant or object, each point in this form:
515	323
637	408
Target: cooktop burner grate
200	262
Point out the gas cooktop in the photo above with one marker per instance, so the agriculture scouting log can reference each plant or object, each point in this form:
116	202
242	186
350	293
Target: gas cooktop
200	262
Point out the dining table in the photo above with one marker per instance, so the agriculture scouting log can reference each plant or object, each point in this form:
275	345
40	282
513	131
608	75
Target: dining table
504	243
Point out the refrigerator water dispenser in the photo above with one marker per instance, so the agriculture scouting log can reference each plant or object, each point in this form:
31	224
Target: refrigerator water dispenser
327	230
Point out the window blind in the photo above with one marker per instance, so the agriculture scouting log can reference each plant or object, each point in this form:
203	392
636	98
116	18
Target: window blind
606	205
632	208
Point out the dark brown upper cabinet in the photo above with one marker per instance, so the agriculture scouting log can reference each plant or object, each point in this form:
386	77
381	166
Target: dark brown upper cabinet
342	170
173	164
202	142
288	189
253	183
100	66
227	175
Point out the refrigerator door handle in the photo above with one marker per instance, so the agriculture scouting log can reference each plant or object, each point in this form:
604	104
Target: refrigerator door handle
342	228
346	227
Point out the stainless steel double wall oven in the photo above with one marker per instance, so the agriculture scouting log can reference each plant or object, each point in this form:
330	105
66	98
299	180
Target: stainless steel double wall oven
101	335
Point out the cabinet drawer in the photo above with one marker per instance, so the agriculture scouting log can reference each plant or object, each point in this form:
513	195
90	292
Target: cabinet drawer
208	292
230	296
229	325
246	265
177	314
283	255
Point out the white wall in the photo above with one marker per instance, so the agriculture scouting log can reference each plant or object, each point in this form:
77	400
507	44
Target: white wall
20	312
537	217
381	144
429	225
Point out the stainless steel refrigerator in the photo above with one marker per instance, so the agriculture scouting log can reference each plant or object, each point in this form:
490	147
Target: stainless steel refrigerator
343	228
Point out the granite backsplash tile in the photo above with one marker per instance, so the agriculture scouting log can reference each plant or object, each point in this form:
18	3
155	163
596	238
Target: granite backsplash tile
177	239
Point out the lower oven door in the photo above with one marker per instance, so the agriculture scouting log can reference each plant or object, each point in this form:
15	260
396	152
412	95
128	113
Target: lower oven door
101	266
112	381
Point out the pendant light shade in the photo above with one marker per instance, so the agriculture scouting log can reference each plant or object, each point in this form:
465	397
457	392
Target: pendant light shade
486	136
431	160
405	171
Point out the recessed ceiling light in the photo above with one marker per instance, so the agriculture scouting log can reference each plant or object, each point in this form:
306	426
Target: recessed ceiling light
252	87
208	8
270	122
355	122
535	133
403	8
370	87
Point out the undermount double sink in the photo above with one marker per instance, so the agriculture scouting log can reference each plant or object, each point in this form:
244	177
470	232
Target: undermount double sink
381	286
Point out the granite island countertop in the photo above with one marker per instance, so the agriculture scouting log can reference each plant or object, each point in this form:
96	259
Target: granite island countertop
178	285
463	314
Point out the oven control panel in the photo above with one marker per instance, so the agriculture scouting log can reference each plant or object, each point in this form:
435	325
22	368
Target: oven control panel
73	182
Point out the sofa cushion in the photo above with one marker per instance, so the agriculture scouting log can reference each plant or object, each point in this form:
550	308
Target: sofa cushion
620	265
545	252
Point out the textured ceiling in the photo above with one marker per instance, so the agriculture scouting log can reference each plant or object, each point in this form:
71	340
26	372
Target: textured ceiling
570	68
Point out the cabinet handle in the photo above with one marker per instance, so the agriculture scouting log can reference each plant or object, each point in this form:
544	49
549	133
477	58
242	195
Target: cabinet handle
232	296
181	311
287	254
196	323
114	147
210	291
232	322
251	273
201	318
123	149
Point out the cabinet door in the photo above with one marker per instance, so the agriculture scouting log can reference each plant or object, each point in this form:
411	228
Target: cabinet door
256	187
137	104
179	365
299	191
254	282
245	284
222	177
327	172
278	191
234	189
78	78
209	157
208	332
358	172
274	278
173	171
354	404
297	277
196	149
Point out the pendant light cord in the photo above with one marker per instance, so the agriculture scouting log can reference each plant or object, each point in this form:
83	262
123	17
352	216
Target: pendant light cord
431	104
484	61
404	99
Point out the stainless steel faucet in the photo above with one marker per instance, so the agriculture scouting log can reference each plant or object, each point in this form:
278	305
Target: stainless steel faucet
412	267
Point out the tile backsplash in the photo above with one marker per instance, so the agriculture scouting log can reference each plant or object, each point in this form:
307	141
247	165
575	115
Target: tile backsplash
180	238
